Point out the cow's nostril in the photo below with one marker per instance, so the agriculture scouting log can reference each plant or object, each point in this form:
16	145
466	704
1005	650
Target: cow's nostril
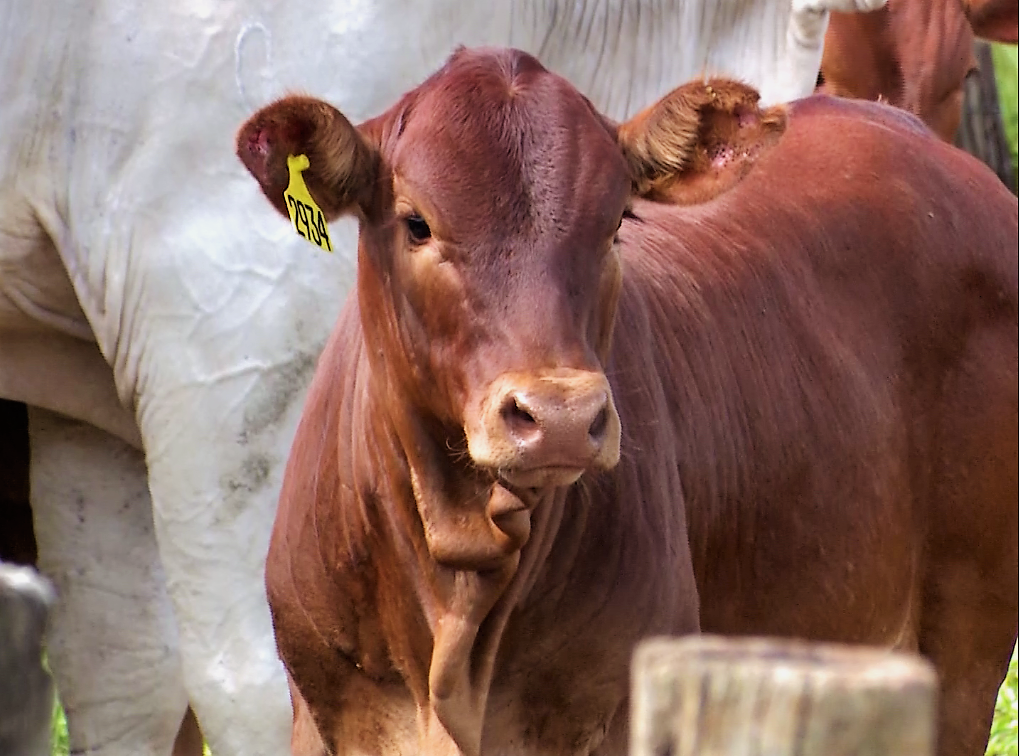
597	429
517	417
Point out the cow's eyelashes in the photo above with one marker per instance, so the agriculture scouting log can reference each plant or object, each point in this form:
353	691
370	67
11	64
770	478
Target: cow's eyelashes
628	214
417	228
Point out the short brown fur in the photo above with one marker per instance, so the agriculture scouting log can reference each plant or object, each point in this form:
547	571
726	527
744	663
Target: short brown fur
815	373
994	20
914	54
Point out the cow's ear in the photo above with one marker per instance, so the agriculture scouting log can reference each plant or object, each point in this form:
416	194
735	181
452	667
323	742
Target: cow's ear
343	167
698	140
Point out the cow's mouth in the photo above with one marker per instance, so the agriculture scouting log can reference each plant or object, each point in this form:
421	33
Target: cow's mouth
541	478
515	495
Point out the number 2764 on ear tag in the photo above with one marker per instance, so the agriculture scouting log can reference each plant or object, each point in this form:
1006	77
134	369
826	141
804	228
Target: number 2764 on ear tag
306	216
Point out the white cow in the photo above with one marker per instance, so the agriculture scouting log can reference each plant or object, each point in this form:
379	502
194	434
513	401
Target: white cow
149	297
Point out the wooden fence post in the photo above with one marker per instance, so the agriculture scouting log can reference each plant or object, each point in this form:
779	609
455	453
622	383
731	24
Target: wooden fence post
713	696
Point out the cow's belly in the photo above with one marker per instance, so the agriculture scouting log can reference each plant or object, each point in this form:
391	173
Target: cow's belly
49	358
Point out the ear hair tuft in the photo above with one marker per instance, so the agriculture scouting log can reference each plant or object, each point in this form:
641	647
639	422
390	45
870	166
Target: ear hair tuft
662	142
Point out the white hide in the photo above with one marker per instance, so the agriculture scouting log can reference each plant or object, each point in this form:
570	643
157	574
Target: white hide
132	239
89	491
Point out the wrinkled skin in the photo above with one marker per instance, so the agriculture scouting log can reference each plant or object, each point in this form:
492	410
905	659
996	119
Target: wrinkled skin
146	296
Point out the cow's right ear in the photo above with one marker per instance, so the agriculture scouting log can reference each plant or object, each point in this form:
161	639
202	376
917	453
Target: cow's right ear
342	166
698	141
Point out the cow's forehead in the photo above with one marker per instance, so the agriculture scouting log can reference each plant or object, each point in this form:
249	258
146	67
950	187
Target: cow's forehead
504	140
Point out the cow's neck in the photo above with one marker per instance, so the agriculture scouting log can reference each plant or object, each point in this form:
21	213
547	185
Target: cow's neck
468	576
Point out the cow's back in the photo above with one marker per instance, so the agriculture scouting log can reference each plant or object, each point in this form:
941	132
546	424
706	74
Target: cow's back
839	334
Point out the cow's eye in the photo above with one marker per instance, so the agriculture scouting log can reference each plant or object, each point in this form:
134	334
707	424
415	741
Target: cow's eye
418	229
628	214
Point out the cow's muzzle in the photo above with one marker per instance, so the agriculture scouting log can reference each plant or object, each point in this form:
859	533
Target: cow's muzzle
545	429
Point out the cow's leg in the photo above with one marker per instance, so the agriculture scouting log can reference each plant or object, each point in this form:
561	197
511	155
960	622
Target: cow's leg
212	535
305	739
969	610
219	373
212	343
113	641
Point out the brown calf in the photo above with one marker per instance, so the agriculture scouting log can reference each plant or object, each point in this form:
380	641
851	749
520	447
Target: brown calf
593	374
914	54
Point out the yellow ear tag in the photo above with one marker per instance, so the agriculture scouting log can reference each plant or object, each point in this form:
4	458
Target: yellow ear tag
306	216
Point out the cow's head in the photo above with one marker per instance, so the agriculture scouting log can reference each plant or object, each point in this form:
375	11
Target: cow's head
489	274
490	199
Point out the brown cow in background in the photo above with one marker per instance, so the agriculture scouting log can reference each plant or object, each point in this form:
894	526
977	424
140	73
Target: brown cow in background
914	54
994	20
586	366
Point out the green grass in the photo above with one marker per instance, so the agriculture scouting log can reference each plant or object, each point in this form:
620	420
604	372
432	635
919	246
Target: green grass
1004	58
1003	740
60	744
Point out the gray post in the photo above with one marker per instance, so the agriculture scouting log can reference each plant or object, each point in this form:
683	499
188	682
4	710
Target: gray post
713	696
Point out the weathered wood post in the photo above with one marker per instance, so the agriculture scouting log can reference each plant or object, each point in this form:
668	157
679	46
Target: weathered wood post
713	696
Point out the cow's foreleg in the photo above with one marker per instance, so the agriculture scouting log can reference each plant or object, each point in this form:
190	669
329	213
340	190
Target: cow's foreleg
969	611
214	347
214	475
112	641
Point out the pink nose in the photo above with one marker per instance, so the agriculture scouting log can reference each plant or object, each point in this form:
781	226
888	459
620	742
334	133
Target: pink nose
543	425
554	420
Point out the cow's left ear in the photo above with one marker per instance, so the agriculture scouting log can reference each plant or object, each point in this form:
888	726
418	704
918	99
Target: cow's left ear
343	167
698	140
